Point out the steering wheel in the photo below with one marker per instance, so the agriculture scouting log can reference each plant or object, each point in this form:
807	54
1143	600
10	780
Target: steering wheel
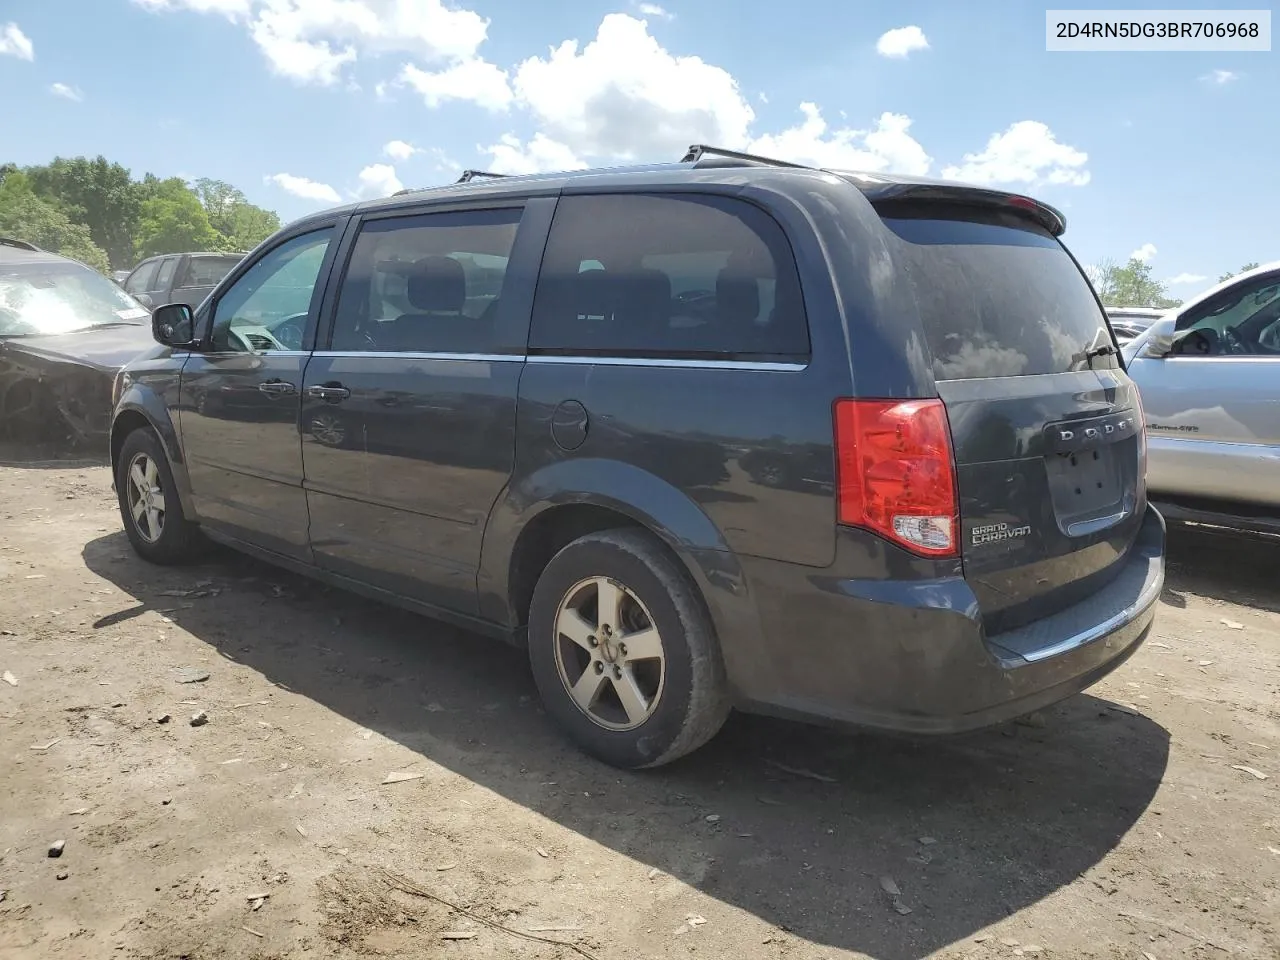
1233	343
289	331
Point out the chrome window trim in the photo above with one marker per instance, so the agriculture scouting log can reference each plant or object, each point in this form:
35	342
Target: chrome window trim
758	365
421	355
250	353
755	365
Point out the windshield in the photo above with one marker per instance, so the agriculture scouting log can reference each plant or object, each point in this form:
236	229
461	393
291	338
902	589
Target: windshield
59	297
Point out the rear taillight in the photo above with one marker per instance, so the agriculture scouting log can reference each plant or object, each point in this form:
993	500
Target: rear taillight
895	473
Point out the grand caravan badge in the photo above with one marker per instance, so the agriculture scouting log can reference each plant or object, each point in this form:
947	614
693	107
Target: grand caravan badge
996	532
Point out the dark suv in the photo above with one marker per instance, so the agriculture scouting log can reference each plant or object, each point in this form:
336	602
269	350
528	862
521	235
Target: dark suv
722	433
178	277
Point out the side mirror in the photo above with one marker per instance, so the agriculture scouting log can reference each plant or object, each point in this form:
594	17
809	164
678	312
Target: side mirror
173	325
1158	346
145	300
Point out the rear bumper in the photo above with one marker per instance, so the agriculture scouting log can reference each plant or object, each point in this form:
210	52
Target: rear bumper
911	656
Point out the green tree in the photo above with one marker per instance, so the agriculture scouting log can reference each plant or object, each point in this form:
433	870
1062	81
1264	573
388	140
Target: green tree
241	224
26	216
172	220
1131	285
99	194
249	225
1245	269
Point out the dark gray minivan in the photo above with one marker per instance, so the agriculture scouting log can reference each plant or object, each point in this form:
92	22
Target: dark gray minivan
727	433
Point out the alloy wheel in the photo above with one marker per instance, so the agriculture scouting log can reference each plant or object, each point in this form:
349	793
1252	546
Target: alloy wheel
609	653
146	497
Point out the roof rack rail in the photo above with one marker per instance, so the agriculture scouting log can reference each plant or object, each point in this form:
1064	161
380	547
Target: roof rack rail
469	175
19	244
699	150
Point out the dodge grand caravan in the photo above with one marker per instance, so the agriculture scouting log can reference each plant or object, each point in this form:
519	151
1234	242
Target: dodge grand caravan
725	433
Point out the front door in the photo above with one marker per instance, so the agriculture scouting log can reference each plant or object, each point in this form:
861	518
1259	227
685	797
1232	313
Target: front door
1213	404
241	395
408	416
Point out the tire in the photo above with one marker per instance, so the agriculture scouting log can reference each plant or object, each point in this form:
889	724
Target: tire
683	697
178	539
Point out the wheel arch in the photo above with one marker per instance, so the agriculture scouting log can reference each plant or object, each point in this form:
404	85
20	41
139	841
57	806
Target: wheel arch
540	514
140	408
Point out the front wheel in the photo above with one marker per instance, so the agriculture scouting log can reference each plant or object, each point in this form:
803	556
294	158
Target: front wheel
149	504
623	652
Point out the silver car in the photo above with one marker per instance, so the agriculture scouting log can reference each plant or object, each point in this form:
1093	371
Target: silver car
1128	322
1209	377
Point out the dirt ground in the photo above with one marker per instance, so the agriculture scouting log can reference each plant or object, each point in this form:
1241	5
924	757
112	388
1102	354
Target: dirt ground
1128	824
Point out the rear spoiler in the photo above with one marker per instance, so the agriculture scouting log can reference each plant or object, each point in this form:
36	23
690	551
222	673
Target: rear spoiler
895	190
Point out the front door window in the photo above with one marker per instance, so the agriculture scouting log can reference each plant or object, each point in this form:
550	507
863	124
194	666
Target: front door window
269	307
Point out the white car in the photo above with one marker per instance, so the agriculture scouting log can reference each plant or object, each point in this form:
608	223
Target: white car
1128	322
1209	377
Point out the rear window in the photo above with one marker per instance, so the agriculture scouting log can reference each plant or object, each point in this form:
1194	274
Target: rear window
652	276
999	298
207	271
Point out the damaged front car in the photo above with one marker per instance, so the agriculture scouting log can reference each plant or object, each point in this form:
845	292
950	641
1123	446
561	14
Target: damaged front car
65	330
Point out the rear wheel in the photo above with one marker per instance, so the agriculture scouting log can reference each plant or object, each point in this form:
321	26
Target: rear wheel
149	505
623	652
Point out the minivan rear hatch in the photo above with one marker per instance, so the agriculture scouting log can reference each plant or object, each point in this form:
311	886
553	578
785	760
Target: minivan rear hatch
1045	424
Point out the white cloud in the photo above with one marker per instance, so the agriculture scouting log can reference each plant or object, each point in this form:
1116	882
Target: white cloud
15	43
399	150
228	8
474	79
1220	77
653	10
1027	152
311	41
901	41
1185	278
378	180
622	95
538	155
304	188
886	147
66	92
1144	253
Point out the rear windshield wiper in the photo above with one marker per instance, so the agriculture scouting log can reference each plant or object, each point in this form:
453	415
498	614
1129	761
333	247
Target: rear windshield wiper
1089	354
1105	350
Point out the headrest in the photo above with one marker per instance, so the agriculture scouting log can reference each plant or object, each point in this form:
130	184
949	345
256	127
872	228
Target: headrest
644	295
437	285
592	293
737	296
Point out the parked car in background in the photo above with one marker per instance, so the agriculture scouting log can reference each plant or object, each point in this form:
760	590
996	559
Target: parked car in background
1209	375
64	332
1128	322
788	442
120	276
179	277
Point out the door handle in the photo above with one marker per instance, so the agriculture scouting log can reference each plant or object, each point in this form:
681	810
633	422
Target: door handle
328	392
277	388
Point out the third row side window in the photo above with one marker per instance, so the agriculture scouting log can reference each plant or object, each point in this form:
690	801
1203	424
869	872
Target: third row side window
653	276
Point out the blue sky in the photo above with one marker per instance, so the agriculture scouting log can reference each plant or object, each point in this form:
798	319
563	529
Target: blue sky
302	103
